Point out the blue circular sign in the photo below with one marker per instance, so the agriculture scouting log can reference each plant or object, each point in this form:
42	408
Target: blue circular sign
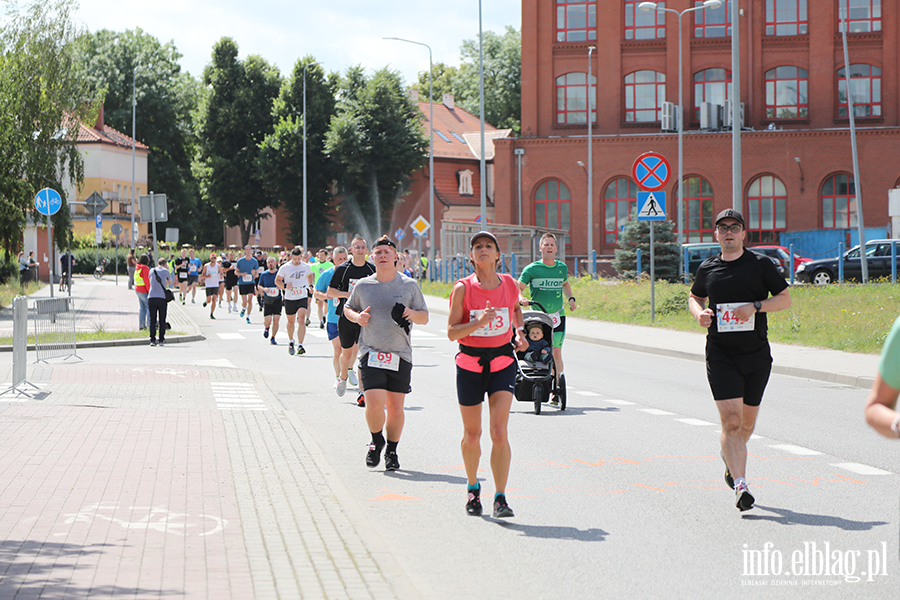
48	201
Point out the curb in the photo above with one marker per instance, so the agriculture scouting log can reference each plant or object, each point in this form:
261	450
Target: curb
142	341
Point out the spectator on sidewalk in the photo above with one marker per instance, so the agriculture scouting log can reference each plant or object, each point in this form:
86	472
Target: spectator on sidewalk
142	289
131	263
160	279
24	272
33	265
881	413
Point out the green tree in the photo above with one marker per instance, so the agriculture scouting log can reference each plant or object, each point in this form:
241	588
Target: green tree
637	235
165	99
42	100
280	160
443	81
377	138
233	119
502	79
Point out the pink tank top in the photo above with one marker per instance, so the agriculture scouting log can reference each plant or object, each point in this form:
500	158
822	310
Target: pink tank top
504	298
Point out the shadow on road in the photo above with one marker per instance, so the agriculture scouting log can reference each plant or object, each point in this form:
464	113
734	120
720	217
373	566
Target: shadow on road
407	475
553	533
789	517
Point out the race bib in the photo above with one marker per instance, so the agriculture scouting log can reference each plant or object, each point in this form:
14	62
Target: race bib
352	284
182	275
295	293
728	322
499	325
555	319
193	269
247	277
273	293
384	360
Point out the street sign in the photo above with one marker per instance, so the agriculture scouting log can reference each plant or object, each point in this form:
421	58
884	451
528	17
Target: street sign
399	234
651	171
48	201
99	230
171	235
116	229
159	205
651	206
95	203
257	236
420	226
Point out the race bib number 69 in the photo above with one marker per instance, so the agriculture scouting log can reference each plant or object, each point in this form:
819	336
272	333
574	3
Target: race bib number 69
384	360
728	322
498	325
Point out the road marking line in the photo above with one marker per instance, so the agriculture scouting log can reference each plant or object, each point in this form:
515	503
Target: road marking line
798	450
586	393
861	469
231	336
698	422
235	408
656	411
621	402
427	334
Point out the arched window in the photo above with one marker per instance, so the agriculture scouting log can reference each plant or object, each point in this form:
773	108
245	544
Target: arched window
552	203
839	202
714	23
865	87
786	93
711	85
865	15
698	217
786	17
571	99
645	92
620	200
576	20
766	209
644	25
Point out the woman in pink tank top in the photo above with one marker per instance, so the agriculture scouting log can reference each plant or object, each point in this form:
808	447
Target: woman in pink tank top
485	318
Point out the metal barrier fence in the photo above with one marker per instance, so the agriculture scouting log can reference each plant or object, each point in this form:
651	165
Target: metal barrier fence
54	328
20	347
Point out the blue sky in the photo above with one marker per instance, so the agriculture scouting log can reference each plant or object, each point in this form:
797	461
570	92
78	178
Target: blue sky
338	33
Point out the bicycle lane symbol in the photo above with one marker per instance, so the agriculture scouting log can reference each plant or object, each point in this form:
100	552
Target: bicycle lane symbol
152	519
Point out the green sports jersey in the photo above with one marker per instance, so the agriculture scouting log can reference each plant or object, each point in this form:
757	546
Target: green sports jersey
546	284
889	366
318	267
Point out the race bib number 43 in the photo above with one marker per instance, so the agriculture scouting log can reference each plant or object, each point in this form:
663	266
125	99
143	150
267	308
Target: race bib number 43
384	360
728	322
499	324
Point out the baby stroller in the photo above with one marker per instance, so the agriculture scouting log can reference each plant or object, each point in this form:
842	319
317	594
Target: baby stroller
536	380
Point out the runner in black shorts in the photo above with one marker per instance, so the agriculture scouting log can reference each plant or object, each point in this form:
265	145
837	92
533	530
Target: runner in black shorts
736	285
385	306
295	277
182	271
342	281
272	303
231	281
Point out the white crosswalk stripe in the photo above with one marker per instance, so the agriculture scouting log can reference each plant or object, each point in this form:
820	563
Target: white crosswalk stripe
231	395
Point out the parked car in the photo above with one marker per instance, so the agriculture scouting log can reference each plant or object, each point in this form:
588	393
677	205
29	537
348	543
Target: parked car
698	252
782	255
825	270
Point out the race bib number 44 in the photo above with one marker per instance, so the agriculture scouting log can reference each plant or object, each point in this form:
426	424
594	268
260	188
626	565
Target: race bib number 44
728	322
499	324
384	360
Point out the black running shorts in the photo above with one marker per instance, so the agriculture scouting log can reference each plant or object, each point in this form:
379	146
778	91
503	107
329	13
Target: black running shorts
397	381
292	306
212	291
348	332
246	289
733	375
470	392
273	308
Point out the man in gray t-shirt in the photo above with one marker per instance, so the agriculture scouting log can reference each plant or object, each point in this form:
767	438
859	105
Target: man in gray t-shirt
160	279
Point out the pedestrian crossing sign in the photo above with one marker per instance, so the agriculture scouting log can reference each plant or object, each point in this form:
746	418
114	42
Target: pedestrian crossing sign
651	206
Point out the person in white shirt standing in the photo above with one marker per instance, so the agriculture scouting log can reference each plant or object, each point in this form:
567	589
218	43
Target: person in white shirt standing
295	278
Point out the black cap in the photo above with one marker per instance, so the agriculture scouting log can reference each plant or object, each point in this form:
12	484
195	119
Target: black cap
730	213
482	234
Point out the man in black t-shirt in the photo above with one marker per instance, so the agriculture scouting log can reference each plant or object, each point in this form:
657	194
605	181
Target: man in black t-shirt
342	281
730	298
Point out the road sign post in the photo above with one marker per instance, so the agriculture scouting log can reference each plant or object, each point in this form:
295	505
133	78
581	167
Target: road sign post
48	202
651	172
116	230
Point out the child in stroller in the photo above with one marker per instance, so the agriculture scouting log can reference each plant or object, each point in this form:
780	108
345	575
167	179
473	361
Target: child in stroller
539	349
536	381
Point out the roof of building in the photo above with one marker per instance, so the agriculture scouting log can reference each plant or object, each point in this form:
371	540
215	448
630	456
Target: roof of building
457	132
101	133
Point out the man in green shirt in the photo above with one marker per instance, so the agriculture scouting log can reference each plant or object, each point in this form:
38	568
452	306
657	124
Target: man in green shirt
321	264
548	283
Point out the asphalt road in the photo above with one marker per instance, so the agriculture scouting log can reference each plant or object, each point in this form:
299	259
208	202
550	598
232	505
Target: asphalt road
621	495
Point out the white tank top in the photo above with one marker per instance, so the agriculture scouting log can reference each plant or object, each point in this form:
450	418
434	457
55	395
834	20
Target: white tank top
212	275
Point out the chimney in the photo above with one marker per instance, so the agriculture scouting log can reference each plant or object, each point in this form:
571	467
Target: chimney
99	124
414	95
448	101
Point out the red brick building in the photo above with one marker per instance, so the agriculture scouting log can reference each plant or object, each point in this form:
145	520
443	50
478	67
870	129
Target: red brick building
797	171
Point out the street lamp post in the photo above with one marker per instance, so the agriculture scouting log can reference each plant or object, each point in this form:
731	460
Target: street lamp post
305	246
430	146
133	134
590	173
481	162
653	6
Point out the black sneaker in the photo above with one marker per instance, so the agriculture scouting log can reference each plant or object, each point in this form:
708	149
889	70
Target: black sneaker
743	499
291	348
391	462
473	506
361	401
373	456
728	478
501	508
300	349
266	333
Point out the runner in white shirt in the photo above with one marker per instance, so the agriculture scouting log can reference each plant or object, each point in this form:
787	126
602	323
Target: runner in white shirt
210	276
295	278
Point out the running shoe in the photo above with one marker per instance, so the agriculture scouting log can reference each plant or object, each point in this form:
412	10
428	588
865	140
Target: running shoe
341	385
248	320
291	348
473	505
373	456
391	462
266	332
322	323
212	317
229	308
307	321
204	304
182	301
242	312
501	508
162	342
351	374
336	381
193	301
361	401
743	499
300	348
728	478
153	342
554	401
273	342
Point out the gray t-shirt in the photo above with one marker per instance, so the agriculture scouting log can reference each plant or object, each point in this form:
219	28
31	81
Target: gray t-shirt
382	333
156	288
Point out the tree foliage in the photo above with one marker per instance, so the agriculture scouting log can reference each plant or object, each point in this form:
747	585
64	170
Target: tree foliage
443	81
233	119
117	63
637	235
377	139
42	100
280	161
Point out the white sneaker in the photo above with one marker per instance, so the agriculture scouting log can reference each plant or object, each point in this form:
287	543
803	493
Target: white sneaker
351	374
229	309
341	387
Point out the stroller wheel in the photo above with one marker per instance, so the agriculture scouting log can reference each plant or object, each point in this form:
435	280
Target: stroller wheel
561	392
537	407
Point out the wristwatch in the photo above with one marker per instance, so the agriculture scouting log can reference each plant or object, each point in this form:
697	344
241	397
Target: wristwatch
757	305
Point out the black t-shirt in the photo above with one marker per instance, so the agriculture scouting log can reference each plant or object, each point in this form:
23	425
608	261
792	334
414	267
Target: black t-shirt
750	278
345	277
